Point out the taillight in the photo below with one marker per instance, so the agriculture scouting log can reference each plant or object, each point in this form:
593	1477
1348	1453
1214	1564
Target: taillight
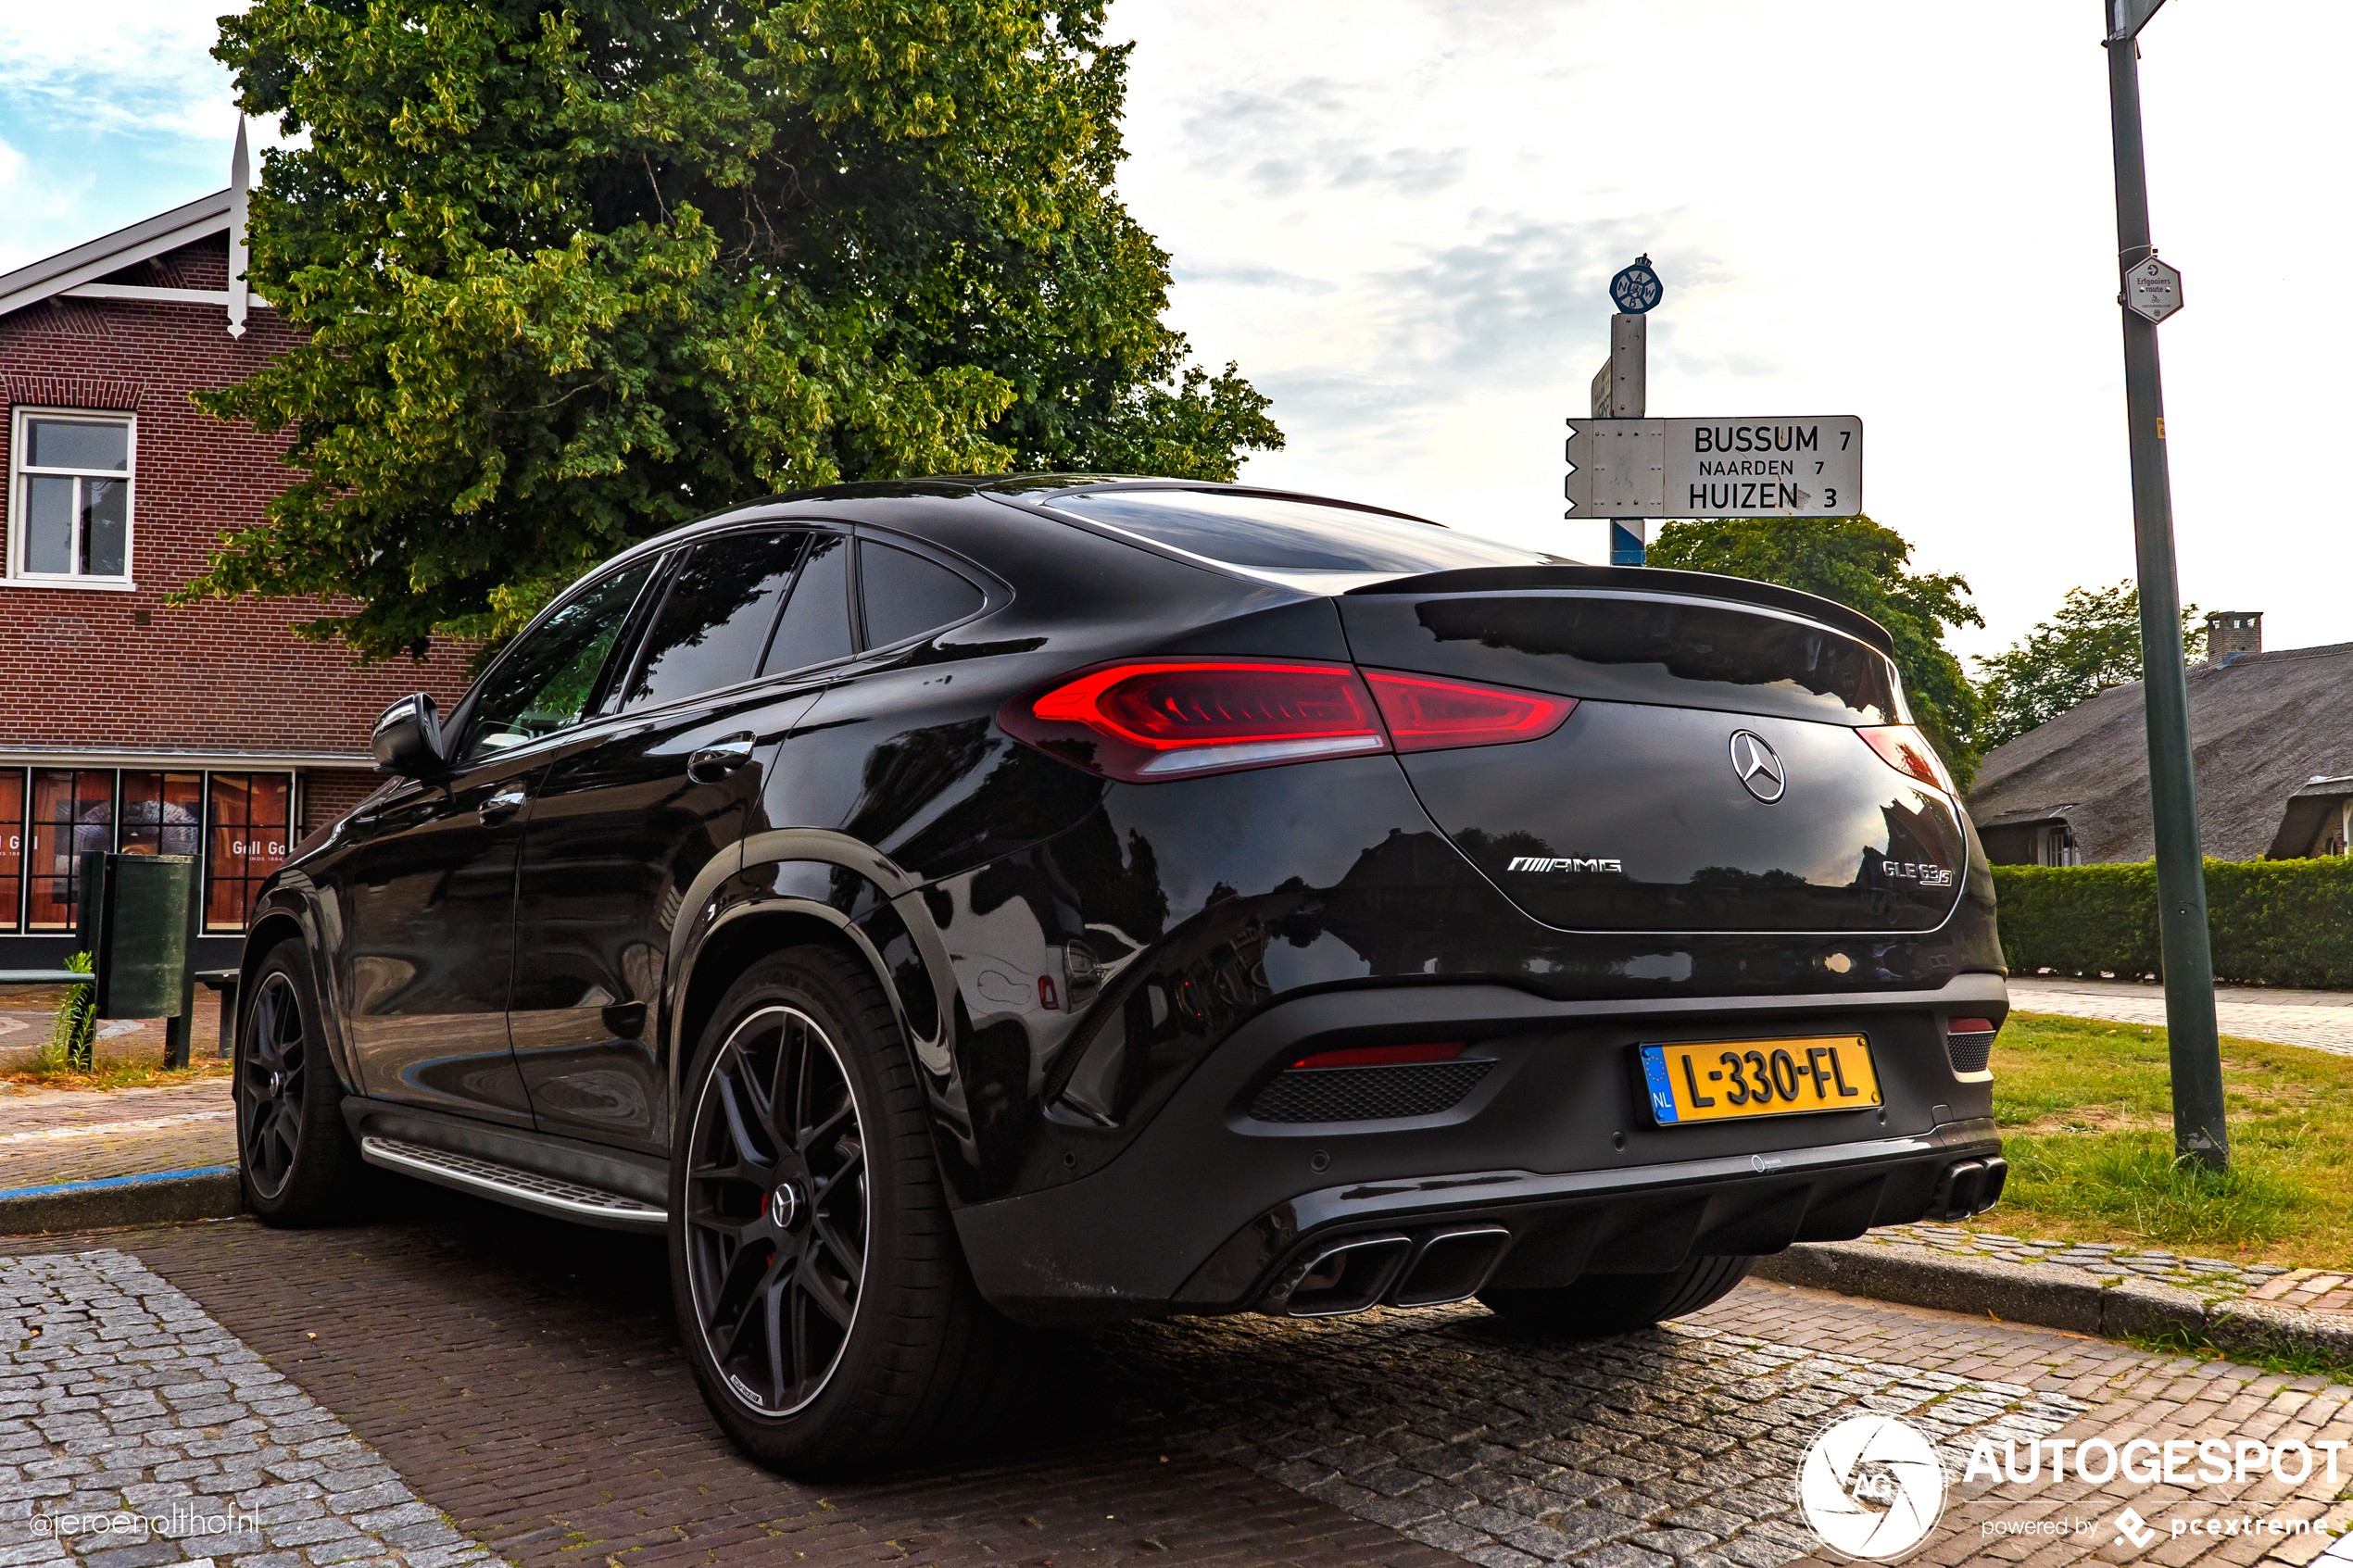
1142	722
1428	715
1906	750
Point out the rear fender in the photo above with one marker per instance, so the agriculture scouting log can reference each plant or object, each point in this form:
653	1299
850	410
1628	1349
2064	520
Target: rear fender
831	884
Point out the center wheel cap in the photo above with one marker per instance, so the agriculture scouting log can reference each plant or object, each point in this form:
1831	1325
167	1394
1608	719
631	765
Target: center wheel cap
783	1206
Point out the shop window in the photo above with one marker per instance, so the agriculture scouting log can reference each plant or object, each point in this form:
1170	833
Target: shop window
72	811
12	846
252	822
69	497
162	813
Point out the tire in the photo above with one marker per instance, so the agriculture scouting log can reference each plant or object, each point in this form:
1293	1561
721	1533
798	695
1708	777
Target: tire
296	1160
1602	1304
821	1295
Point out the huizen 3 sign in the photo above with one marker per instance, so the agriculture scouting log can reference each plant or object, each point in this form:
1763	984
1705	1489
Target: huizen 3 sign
1759	466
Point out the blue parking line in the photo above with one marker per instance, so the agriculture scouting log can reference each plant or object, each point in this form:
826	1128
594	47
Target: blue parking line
105	1182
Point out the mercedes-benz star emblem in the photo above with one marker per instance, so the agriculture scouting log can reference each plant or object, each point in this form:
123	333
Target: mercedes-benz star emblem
1758	766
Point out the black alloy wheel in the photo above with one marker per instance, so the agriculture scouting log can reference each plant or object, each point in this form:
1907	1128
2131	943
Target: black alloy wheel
777	1211
821	1298
296	1160
270	1086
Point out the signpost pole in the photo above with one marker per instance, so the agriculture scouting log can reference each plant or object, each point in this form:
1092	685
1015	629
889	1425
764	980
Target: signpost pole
1630	342
2199	1133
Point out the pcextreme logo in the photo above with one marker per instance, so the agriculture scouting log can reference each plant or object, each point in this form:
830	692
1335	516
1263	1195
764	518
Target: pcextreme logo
1872	1488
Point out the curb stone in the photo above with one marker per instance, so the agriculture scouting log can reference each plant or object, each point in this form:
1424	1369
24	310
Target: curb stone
2055	1295
161	1199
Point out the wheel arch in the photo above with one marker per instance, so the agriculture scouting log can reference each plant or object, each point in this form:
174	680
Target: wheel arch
813	886
285	916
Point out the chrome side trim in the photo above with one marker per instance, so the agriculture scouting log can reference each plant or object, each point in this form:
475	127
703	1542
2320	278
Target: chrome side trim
525	1189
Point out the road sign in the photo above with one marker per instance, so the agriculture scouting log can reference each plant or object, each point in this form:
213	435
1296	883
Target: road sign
1757	465
2153	288
2126	17
1637	288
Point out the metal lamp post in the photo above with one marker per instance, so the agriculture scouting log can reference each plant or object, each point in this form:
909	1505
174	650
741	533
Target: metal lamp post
2152	292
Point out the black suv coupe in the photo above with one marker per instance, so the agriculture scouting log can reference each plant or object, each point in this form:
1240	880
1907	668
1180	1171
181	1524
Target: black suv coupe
952	907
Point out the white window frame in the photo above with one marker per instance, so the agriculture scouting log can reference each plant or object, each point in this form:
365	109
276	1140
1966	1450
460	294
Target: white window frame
17	522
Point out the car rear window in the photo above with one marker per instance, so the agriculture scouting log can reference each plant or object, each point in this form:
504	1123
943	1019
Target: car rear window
907	596
1274	534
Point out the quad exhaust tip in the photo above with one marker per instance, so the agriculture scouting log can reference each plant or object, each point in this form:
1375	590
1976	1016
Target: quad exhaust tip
1355	1273
1968	1189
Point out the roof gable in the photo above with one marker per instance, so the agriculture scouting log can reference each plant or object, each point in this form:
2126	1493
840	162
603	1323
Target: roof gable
79	272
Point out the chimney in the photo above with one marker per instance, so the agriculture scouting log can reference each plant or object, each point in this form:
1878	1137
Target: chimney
2232	632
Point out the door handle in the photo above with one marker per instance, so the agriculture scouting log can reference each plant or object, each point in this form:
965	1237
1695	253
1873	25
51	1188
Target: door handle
506	803
715	761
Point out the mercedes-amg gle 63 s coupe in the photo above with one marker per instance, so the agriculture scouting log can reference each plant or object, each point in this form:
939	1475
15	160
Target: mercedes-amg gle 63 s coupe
949	909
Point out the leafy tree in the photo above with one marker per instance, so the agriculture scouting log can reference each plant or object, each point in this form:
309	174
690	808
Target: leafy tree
2093	643
1861	565
572	275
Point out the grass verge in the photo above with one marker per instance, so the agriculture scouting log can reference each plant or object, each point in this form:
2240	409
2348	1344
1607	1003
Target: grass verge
143	1072
2178	1341
2086	1110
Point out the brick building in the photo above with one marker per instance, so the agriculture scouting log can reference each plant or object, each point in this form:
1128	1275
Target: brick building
125	723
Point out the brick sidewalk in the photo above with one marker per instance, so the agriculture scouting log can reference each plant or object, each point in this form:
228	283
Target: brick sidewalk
48	1136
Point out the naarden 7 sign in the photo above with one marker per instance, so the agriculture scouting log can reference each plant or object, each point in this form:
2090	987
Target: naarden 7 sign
1759	466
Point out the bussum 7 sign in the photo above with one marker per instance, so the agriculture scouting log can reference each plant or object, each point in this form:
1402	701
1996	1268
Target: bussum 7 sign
1758	466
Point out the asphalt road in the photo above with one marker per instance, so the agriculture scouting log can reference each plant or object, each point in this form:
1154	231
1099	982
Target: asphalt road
463	1384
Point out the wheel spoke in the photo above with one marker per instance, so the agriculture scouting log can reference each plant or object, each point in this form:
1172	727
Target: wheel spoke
265	1029
803	1364
772	1312
851	1259
833	1303
747	1154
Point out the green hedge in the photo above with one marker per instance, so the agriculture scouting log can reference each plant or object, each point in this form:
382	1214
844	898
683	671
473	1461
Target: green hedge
2274	922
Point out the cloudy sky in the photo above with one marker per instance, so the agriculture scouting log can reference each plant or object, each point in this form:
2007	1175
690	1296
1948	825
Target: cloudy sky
1398	216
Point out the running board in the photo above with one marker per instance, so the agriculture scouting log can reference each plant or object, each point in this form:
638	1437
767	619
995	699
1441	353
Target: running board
525	1189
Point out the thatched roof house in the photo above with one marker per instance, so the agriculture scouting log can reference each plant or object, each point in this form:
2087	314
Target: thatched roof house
2273	735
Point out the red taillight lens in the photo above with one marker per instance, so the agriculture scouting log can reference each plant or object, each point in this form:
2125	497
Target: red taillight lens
1143	722
1382	1056
1427	715
1906	750
1970	1026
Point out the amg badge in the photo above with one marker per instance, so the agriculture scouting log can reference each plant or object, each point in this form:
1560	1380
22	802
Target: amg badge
1571	863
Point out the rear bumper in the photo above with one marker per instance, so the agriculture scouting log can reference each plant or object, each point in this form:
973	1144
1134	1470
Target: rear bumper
1208	1210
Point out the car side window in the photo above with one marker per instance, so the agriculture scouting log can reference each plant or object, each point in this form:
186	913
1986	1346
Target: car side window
546	680
906	596
714	617
815	629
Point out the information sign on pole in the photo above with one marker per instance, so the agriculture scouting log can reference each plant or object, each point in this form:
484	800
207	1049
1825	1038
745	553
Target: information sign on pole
1755	466
2153	290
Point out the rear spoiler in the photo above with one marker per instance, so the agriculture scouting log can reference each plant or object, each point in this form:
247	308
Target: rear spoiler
1643	580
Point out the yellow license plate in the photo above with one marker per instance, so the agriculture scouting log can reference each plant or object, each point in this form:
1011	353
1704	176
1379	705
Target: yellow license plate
1717	1080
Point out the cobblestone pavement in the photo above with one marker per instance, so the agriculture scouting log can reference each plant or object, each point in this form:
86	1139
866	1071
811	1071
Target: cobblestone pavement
2322	1020
1680	1445
2216	1279
523	1377
135	1429
52	1135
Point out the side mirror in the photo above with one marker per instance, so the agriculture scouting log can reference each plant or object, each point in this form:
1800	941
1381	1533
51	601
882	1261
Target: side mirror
408	738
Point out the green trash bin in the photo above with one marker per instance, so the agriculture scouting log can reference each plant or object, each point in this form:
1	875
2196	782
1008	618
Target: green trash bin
137	920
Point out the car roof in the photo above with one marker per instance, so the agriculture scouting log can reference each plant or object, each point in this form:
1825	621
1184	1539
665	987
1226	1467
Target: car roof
1044	487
